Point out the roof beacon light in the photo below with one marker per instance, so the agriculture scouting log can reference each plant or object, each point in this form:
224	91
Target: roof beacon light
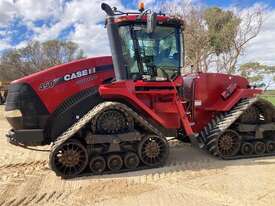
141	6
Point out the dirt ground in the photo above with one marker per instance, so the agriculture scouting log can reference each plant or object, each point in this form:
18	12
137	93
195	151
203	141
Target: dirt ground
190	177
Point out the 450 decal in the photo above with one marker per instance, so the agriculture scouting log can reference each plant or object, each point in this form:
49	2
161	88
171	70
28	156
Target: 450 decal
49	84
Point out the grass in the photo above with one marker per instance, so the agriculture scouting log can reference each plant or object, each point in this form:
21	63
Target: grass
270	98
269	92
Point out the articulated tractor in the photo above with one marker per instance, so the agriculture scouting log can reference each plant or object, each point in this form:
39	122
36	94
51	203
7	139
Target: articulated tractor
115	113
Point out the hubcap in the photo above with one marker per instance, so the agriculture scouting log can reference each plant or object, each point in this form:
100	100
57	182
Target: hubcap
97	165
111	122
259	147
229	143
69	159
114	162
247	148
270	146
131	160
153	150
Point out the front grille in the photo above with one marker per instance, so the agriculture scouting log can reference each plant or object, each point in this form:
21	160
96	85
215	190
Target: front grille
22	97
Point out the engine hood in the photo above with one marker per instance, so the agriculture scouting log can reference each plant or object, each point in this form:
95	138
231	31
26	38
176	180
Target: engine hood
56	84
88	64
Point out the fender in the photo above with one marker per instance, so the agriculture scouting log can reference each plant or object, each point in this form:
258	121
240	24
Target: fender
222	105
70	111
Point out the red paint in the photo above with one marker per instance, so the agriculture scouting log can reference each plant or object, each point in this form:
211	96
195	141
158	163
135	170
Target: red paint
208	88
53	97
133	18
157	100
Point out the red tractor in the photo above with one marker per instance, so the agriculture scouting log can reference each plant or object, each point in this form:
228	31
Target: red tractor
112	114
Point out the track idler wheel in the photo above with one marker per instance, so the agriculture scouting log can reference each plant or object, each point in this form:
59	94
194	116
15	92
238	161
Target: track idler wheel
68	159
114	163
228	144
259	148
97	165
247	148
153	151
131	160
270	146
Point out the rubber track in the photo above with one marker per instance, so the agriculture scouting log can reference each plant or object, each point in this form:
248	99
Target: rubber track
93	113
220	123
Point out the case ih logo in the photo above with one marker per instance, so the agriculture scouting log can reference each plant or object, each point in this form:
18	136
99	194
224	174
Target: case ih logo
67	77
79	74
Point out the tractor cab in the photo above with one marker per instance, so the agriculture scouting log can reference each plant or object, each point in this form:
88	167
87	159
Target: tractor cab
145	45
147	52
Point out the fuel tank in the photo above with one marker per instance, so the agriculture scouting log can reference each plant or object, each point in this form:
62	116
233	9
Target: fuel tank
211	93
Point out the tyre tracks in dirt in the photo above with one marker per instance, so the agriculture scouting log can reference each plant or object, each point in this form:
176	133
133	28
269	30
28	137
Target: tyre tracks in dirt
20	171
36	199
22	165
27	174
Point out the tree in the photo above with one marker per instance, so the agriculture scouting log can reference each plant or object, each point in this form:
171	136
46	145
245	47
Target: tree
196	38
216	37
258	73
197	41
243	27
37	56
222	29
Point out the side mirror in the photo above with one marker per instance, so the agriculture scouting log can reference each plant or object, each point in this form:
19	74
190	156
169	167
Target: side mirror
151	22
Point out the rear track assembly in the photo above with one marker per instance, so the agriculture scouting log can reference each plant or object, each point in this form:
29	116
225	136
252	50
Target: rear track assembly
239	134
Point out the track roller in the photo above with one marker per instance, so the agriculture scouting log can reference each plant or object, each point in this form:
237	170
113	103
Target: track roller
97	165
270	146
247	148
131	160
153	150
114	162
68	159
259	147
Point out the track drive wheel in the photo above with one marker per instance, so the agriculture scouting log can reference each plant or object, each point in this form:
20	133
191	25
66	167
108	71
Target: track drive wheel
131	160
260	112
97	165
114	162
68	159
112	121
153	150
228	144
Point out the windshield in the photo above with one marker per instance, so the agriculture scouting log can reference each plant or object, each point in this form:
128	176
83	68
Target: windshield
156	55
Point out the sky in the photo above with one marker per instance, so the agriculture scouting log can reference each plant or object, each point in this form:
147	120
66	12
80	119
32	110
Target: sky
81	21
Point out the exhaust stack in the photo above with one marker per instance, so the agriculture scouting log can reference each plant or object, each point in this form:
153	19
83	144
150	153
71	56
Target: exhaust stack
115	43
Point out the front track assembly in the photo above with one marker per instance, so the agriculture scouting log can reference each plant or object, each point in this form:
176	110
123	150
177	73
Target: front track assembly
247	131
110	138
